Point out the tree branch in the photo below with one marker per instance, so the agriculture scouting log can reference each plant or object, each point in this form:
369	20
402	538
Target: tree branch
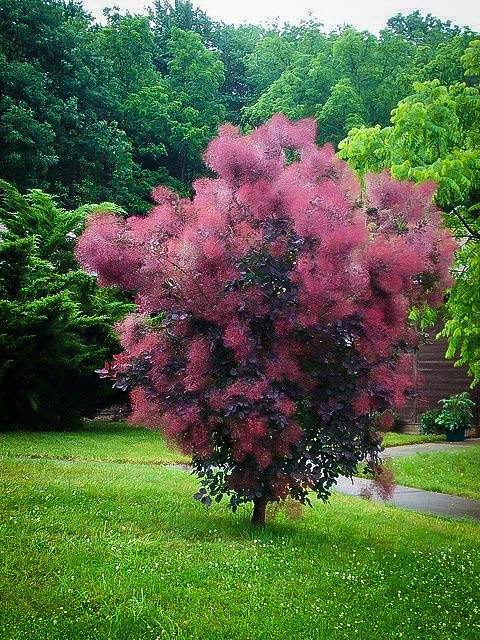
473	233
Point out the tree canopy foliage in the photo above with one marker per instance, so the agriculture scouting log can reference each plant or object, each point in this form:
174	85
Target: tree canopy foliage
270	335
96	112
86	111
347	77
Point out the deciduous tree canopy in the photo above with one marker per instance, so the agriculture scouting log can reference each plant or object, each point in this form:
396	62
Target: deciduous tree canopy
103	112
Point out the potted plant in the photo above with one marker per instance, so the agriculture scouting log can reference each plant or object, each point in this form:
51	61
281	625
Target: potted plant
455	416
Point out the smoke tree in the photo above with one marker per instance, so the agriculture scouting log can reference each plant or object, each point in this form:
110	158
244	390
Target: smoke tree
270	337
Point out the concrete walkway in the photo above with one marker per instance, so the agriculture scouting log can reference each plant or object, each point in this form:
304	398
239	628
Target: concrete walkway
441	504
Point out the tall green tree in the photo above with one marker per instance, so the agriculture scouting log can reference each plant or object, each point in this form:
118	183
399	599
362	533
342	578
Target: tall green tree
343	109
422	29
166	16
55	323
434	135
233	43
127	46
195	76
59	105
270	58
104	112
171	121
285	95
349	76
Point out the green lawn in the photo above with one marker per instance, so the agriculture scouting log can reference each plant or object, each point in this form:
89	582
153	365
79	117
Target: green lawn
456	472
122	552
397	439
120	442
113	441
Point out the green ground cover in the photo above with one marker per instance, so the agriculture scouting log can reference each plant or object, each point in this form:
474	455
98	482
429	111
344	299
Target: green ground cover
397	439
120	442
112	441
121	551
455	472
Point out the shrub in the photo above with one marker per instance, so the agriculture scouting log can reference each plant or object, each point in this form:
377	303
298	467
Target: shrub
456	413
270	333
428	422
56	324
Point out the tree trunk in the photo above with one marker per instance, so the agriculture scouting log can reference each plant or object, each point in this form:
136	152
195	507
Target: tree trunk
259	509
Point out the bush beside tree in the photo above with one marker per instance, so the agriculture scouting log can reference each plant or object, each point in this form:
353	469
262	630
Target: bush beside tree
55	322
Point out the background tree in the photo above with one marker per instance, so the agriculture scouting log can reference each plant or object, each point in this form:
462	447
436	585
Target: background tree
285	95
435	135
56	322
195	77
66	121
166	16
78	99
233	43
342	110
171	121
127	45
270	58
58	123
422	30
270	333
312	73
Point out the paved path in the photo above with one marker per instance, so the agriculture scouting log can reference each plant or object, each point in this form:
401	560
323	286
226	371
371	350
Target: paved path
417	499
428	447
